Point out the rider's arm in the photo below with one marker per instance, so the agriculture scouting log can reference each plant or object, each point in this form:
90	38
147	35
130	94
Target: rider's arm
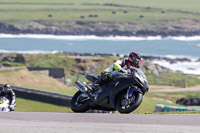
118	66
115	66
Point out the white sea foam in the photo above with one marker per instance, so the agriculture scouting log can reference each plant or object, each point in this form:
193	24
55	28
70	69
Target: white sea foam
93	37
184	38
68	37
192	58
192	67
28	52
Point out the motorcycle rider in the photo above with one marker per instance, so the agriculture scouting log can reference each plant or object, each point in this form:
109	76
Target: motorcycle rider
10	95
120	66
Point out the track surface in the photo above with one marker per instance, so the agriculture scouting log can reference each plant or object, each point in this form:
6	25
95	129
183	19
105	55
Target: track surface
21	122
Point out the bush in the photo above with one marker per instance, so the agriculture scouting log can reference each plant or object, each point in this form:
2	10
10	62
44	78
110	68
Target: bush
52	61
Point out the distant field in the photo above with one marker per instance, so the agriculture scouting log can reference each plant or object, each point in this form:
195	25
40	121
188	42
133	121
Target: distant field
154	11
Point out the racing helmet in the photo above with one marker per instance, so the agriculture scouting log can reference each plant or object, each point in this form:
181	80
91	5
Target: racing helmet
135	59
6	88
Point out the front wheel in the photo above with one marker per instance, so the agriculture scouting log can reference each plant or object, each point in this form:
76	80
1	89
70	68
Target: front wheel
80	102
127	105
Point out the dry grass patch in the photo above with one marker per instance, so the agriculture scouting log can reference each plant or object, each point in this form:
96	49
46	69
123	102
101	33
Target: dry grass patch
24	78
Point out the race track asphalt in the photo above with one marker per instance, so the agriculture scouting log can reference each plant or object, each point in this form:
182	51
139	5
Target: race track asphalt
38	122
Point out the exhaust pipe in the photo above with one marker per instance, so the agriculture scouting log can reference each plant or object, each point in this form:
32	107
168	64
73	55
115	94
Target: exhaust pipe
83	89
80	86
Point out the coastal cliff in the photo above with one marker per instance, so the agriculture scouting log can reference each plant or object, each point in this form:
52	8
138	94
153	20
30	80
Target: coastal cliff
103	28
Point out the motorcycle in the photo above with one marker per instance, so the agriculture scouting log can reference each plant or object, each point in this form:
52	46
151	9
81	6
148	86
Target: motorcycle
4	104
124	93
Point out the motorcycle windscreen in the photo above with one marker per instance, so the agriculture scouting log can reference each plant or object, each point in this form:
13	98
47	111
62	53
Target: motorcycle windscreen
139	74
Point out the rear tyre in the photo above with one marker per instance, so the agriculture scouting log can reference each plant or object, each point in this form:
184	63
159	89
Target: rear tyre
124	105
79	104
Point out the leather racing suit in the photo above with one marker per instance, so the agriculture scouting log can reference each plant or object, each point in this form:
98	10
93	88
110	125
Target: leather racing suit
120	66
11	97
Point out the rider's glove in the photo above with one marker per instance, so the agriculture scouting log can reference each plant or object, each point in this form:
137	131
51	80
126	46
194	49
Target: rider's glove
106	76
122	70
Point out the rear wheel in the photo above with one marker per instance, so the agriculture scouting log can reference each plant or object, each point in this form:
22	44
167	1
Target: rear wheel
80	102
127	105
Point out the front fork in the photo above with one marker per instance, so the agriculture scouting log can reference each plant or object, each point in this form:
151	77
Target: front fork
130	92
129	97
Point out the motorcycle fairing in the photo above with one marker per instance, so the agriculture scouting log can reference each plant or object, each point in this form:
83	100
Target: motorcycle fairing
111	90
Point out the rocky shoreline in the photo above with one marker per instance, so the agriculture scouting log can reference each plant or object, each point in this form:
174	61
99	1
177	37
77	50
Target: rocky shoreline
147	65
101	28
149	58
99	55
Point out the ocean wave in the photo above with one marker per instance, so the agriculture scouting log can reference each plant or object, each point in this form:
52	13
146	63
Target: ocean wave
29	52
192	67
68	37
93	37
192	58
184	38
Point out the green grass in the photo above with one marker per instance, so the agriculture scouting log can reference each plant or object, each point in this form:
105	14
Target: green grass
52	61
173	79
24	105
148	105
64	91
10	72
11	64
186	94
192	5
24	11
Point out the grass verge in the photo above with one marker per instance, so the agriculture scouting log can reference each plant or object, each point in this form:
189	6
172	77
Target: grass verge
24	105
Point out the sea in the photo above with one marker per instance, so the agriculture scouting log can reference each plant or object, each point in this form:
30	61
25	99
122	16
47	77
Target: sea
171	47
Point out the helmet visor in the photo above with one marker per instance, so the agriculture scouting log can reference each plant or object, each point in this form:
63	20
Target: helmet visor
136	62
6	89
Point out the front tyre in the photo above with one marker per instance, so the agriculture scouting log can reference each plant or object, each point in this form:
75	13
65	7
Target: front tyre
79	102
128	105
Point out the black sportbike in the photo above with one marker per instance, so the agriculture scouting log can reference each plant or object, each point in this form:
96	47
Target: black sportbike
124	93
